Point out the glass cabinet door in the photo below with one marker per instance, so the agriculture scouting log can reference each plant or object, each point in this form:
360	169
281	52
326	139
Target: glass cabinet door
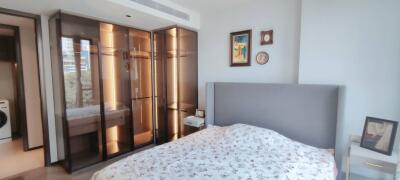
160	90
104	88
187	75
175	79
80	67
141	88
116	88
171	44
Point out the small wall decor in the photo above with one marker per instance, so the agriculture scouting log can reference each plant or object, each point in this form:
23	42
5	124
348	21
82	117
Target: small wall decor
240	52
267	37
262	57
379	135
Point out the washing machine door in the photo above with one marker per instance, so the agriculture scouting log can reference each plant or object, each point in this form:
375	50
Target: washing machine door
3	119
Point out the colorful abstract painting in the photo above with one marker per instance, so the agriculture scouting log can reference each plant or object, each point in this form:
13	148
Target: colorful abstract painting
240	48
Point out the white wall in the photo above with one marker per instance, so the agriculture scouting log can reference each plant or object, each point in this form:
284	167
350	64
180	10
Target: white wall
283	16
355	44
45	69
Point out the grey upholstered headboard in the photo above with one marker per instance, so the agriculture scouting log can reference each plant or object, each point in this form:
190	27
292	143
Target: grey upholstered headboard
305	113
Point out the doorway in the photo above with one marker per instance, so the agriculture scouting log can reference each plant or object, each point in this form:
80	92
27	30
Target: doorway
21	130
9	73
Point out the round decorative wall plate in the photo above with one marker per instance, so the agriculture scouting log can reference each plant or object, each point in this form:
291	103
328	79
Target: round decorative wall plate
262	57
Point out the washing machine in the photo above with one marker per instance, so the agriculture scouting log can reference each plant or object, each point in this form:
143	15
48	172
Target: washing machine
5	122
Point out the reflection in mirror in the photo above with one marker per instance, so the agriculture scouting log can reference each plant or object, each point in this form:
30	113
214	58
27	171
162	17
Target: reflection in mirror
80	66
77	74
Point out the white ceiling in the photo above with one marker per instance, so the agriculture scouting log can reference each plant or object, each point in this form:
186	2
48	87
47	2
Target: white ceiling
107	10
203	6
115	11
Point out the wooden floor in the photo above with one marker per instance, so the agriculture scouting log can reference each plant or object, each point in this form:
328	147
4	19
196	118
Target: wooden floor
14	160
57	172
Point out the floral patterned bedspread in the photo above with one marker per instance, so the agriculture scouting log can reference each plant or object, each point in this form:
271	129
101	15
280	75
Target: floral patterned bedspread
233	152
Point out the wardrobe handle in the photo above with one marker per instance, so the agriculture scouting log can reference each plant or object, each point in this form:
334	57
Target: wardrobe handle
127	66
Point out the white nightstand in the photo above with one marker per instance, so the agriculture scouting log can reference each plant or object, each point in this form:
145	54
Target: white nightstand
193	124
364	164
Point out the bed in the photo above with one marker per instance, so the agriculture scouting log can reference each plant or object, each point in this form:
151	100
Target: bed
254	131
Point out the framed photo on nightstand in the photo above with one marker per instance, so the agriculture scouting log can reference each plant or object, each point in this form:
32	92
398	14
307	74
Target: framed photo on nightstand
200	113
379	135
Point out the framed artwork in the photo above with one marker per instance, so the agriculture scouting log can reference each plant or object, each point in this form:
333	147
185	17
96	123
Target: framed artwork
240	48
379	135
200	113
267	37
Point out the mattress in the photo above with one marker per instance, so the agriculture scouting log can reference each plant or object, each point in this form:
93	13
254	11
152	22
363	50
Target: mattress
233	152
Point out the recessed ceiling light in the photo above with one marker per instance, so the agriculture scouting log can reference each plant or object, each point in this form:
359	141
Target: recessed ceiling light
128	15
